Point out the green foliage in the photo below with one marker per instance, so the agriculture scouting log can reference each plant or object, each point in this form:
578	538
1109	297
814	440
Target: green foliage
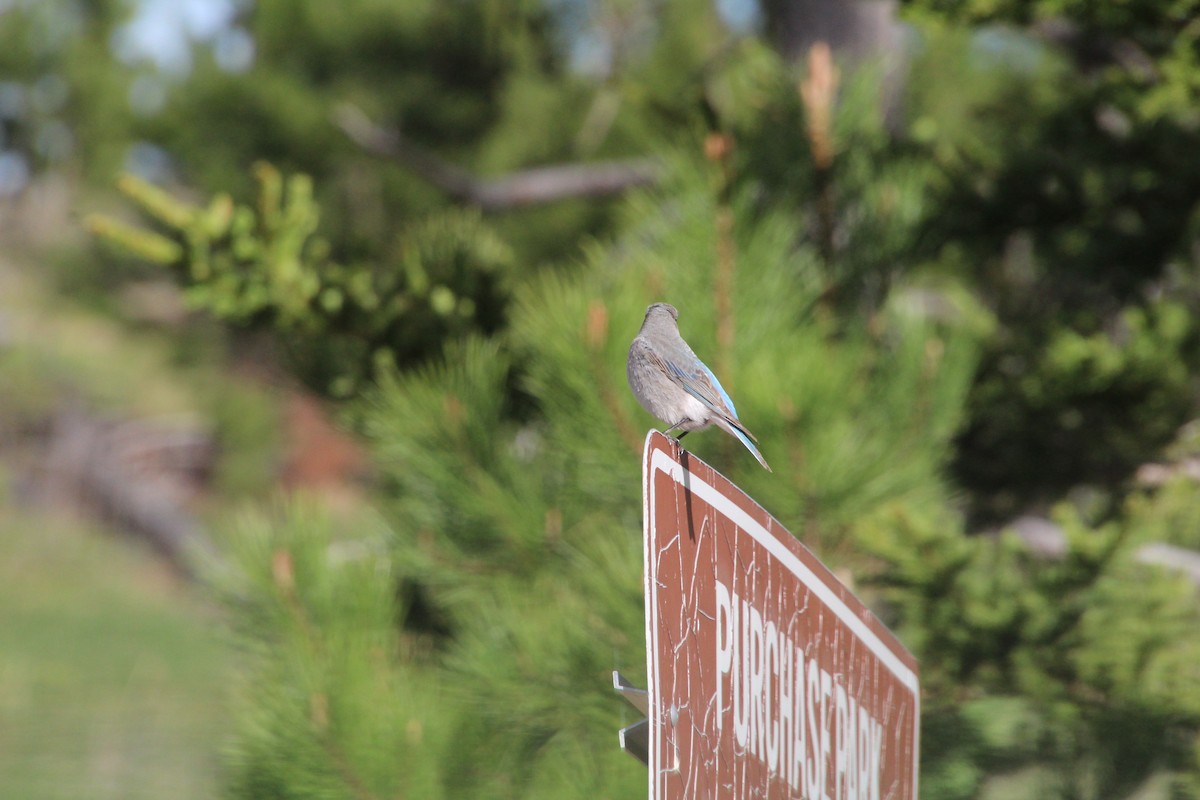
1123	390
267	265
246	422
1049	666
1169	513
327	706
1059	191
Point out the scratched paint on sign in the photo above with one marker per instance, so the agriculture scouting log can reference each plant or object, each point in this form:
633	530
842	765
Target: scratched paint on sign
767	677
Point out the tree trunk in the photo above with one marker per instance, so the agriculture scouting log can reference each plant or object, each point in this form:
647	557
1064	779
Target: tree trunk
860	32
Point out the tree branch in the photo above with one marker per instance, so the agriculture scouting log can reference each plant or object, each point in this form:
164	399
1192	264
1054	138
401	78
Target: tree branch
528	187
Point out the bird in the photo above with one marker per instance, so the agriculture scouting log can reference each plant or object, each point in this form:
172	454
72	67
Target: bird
674	385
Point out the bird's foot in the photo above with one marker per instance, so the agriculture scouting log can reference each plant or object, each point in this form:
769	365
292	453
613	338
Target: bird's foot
675	427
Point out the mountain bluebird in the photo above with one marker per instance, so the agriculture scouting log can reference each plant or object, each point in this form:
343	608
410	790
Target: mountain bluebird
674	385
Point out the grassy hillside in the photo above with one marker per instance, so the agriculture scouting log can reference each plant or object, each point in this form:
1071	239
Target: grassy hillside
112	670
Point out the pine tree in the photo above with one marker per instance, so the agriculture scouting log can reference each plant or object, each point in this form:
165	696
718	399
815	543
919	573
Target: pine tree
513	468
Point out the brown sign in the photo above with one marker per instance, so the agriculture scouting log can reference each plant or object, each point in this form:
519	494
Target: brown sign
766	676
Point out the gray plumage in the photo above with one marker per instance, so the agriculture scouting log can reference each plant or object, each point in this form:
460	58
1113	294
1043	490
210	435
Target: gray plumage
674	385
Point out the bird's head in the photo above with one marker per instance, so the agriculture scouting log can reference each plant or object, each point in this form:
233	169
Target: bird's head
662	309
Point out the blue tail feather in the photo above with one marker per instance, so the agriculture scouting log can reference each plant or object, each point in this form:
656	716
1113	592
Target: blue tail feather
744	439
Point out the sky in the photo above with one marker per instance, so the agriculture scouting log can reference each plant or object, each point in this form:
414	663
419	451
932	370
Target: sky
162	29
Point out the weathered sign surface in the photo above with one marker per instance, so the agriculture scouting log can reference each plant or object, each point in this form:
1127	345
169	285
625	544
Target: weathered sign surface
766	676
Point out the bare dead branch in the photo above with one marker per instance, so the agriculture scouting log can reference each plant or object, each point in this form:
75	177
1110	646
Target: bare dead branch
529	187
1048	540
135	473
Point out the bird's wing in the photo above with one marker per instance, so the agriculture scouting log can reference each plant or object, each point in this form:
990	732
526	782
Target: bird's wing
703	385
717	385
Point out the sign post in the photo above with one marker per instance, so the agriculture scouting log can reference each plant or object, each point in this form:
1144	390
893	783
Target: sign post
766	677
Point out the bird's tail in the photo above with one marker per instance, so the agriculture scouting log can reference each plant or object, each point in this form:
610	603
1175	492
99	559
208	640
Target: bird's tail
744	436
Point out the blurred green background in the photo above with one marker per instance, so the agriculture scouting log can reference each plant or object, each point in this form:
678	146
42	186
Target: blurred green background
319	476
